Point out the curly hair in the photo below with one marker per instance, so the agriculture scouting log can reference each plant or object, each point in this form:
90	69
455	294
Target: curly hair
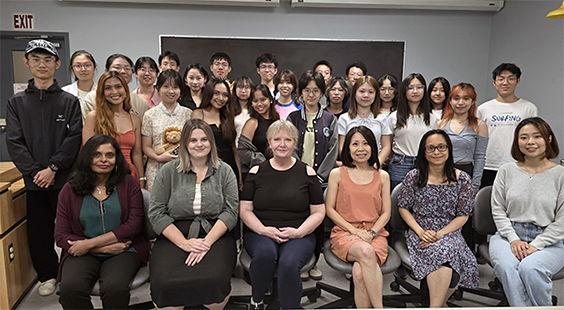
104	123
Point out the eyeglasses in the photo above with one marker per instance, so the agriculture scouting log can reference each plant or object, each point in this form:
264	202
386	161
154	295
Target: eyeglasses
85	66
441	147
510	79
145	70
387	90
271	68
119	68
221	64
243	88
315	91
359	74
45	61
419	87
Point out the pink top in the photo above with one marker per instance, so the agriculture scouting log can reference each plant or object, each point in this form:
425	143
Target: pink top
154	100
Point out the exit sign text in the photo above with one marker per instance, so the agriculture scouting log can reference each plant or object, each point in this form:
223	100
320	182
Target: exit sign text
23	21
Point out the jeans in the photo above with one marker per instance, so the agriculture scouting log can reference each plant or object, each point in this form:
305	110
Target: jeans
527	282
289	257
399	166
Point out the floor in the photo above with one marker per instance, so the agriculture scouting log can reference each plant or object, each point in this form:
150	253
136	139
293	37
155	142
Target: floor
240	287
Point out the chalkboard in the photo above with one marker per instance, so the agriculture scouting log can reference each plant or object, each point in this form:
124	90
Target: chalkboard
297	55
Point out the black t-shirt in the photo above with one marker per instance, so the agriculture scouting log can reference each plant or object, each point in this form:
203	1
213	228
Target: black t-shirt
282	198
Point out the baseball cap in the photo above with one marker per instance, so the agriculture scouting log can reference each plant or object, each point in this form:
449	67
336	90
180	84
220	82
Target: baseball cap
42	45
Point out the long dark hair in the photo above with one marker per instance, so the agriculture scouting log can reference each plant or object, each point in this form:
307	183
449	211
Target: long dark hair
394	84
83	180
225	113
403	107
369	136
422	165
446	87
241	81
272	114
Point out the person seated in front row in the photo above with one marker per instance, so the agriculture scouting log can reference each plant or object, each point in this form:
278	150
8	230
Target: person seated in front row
358	202
98	226
282	205
194	209
435	200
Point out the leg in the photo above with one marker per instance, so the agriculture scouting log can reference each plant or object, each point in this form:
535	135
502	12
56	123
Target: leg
219	305
78	277
264	253
536	271
41	212
116	273
361	299
438	282
363	253
294	254
506	266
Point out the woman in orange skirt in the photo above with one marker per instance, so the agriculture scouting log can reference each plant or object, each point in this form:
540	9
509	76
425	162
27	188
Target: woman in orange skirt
358	202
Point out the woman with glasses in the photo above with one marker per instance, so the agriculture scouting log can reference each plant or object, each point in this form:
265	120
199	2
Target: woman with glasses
241	92
83	66
388	96
146	71
286	85
338	92
435	200
408	123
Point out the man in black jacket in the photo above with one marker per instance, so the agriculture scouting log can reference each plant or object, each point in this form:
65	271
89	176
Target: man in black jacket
44	134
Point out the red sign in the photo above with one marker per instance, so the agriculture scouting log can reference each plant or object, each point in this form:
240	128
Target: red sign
23	21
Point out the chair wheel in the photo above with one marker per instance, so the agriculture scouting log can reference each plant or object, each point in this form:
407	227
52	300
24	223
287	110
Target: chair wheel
554	300
313	297
394	286
457	294
493	286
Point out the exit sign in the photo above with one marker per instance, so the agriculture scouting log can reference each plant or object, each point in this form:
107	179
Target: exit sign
23	21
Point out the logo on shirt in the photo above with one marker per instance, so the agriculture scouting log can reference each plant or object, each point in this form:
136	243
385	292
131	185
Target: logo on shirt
326	132
60	118
505	120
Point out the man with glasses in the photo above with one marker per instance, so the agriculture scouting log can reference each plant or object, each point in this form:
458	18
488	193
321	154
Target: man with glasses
124	66
220	66
43	137
355	70
502	115
267	67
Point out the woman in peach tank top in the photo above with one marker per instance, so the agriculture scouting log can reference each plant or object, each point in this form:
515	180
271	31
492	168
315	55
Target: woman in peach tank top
358	202
112	117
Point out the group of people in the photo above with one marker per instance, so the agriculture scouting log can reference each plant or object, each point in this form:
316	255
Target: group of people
211	152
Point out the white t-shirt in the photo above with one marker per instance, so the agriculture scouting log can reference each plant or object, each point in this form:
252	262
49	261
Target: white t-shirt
406	139
378	127
502	119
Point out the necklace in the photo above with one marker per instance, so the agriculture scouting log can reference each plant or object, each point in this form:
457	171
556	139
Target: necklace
536	171
99	190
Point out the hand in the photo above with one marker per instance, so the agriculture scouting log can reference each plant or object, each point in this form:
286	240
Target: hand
338	164
291	232
364	235
166	157
428	236
519	249
275	234
114	248
194	258
45	178
196	245
80	247
532	249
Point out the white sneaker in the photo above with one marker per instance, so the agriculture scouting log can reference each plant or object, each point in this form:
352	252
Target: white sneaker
315	273
48	287
304	275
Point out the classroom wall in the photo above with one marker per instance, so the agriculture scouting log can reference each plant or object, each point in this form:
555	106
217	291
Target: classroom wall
462	46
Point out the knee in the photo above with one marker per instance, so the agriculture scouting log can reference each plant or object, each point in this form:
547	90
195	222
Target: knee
288	266
367	255
72	288
531	269
264	256
114	287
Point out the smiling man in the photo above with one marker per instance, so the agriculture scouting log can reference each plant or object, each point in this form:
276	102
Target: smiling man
502	115
267	67
43	137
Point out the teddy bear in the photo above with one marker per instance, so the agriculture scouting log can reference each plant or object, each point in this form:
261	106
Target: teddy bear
171	139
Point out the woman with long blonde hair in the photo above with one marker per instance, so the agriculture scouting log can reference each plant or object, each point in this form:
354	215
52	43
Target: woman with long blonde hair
112	117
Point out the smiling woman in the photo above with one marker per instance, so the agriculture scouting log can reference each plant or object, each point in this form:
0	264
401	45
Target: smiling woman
83	67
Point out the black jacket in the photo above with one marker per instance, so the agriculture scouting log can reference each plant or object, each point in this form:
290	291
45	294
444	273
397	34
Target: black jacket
44	126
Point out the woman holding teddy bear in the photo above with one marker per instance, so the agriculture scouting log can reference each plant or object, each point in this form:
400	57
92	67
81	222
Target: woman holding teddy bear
162	125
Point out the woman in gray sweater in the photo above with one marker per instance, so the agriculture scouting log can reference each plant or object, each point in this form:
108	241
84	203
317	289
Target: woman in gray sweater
528	210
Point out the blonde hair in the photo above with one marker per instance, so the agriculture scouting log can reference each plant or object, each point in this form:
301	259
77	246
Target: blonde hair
280	125
183	154
104	123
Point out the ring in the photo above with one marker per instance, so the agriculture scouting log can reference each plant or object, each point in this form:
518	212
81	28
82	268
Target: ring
279	239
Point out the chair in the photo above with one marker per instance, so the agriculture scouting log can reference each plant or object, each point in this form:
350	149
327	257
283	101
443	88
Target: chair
484	224
272	299
142	275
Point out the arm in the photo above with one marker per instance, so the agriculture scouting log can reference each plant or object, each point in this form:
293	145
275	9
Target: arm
386	203
238	163
555	230
499	207
89	125
66	220
66	153
249	155
341	143
249	128
386	148
480	156
136	152
150	152
198	114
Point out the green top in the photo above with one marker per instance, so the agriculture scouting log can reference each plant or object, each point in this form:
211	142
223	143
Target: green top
172	198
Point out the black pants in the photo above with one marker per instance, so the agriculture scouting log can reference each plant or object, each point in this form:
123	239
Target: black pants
488	178
81	273
41	212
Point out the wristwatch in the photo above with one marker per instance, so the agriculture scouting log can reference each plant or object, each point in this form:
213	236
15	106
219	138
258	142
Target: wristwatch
373	233
53	167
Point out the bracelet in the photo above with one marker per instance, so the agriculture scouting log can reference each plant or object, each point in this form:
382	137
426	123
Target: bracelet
143	179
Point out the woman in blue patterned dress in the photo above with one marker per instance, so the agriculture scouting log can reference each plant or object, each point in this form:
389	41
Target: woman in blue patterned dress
435	201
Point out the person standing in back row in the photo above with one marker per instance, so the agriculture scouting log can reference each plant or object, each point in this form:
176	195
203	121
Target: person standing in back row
502	115
43	136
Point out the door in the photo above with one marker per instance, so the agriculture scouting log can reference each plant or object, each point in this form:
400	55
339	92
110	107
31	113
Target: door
14	74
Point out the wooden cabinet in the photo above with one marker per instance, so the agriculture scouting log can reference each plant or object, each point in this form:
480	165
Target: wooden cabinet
16	269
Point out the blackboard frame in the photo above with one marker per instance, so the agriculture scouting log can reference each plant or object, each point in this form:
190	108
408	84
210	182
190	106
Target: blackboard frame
298	55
